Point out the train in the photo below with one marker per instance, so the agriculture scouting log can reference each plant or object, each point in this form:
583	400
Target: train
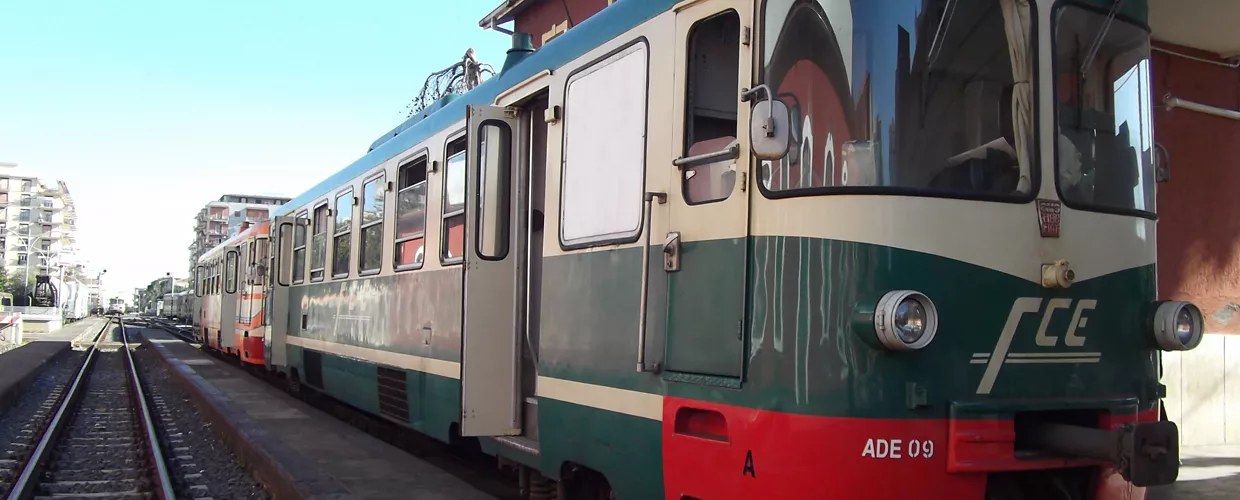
177	306
116	306
232	286
725	249
74	300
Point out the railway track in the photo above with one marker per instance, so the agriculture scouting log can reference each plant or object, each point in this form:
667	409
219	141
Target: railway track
100	440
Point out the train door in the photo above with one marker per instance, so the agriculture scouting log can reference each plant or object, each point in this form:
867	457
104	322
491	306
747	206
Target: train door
228	299
245	290
282	263
705	251
491	399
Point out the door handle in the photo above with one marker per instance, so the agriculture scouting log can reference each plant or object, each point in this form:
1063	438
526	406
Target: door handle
671	252
649	199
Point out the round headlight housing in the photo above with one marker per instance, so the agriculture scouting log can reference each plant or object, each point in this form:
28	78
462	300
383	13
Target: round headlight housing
1178	326
905	320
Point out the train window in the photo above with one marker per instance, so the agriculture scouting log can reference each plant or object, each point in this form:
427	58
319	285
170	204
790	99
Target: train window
1105	157
917	97
230	271
495	190
299	249
711	97
250	268
452	244
318	243
262	258
411	215
343	234
370	245
605	150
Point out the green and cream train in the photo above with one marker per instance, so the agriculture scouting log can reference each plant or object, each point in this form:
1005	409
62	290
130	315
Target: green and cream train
723	249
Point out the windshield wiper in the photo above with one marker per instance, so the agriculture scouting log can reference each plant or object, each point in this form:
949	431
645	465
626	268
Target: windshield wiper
1097	43
944	22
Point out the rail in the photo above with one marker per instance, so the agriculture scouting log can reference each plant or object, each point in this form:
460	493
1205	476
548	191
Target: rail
154	454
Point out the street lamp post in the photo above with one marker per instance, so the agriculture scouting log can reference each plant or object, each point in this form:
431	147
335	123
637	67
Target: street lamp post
99	283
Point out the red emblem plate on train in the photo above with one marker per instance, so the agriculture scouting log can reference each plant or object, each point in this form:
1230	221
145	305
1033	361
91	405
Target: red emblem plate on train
1048	218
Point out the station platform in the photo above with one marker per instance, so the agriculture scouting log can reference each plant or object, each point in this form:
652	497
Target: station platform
19	366
300	451
78	331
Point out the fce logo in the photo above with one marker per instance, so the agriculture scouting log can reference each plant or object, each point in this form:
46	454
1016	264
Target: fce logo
998	357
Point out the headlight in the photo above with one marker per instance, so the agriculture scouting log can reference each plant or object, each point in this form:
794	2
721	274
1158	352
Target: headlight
1178	326
905	320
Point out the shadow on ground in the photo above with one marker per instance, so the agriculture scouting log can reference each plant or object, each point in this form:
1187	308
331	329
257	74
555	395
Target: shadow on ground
1203	478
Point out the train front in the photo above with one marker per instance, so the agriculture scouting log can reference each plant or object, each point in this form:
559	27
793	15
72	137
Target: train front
953	284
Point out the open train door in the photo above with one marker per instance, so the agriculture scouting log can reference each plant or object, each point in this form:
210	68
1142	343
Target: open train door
490	355
283	229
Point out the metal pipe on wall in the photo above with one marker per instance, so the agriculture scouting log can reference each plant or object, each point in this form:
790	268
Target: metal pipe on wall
1175	102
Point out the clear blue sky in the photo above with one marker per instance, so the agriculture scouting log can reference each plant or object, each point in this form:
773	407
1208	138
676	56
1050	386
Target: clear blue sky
149	109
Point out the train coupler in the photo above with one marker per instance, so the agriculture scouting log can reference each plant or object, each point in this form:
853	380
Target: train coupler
1146	453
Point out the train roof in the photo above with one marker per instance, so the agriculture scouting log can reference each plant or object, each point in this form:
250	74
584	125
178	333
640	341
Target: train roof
253	230
594	31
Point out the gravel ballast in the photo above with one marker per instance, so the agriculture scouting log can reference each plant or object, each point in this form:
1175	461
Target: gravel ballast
22	424
200	464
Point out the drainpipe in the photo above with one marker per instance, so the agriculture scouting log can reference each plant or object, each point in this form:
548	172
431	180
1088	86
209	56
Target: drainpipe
1176	102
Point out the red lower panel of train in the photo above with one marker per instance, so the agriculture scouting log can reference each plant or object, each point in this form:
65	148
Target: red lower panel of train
713	452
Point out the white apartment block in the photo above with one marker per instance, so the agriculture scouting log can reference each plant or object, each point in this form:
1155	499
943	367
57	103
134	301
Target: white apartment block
223	219
38	225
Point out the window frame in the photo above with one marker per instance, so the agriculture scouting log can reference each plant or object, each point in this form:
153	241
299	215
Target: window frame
336	233
305	243
325	203
444	237
424	155
362	225
1056	7
637	233
1035	153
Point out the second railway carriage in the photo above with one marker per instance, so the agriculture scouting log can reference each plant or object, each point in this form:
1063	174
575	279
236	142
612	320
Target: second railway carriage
232	283
727	249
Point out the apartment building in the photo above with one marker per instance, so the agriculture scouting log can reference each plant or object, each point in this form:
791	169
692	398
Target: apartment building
223	218
38	225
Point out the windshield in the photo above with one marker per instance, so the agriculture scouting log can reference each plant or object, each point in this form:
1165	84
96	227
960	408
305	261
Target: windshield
1105	146
929	97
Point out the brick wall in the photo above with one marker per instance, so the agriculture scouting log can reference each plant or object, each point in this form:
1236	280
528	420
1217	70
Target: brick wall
1199	209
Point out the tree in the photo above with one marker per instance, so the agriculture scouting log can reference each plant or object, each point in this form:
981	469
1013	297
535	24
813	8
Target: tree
20	286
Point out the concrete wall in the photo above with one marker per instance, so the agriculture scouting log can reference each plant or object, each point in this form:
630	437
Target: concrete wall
1203	391
1199	242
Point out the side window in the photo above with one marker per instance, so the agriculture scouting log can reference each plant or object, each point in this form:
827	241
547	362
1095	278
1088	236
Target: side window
230	271
710	106
318	243
604	150
343	234
299	249
262	257
495	190
371	242
250	268
452	244
411	215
